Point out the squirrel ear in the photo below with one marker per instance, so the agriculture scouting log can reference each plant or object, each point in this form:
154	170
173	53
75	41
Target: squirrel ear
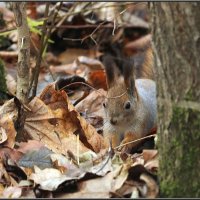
112	71
129	80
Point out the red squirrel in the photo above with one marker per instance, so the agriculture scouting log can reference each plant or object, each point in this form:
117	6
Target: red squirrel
130	106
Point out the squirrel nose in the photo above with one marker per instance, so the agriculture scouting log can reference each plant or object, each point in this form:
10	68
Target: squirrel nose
113	121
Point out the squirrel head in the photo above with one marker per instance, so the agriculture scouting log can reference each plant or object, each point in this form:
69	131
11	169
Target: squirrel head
121	102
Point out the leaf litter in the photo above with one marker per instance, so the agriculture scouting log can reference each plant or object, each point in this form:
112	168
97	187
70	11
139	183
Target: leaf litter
63	153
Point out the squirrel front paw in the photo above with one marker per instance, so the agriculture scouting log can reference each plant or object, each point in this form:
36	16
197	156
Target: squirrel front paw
129	142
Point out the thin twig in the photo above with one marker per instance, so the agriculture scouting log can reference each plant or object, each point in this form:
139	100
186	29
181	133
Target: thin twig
44	40
93	89
52	24
39	58
149	136
107	160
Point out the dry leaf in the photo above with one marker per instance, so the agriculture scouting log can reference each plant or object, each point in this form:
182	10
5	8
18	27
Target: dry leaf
54	122
8	113
97	79
92	63
3	136
1	189
70	55
12	192
66	167
121	177
40	158
149	154
92	104
49	178
138	45
95	188
152	186
11	84
65	68
30	145
13	154
151	160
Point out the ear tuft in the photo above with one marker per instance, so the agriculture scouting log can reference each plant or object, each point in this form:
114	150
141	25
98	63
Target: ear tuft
111	69
129	80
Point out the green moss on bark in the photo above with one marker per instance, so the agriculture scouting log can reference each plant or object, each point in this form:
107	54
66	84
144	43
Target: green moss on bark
183	154
3	86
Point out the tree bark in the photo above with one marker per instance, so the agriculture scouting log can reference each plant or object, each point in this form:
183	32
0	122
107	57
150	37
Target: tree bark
19	9
176	37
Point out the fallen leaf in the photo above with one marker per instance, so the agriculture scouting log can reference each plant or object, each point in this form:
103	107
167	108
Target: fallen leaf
138	45
94	188
152	165
8	114
149	154
92	63
86	131
13	154
1	189
152	186
3	136
11	84
40	158
49	178
97	79
71	54
121	177
4	176
151	160
12	192
99	165
30	145
92	104
7	14
66	167
65	68
135	193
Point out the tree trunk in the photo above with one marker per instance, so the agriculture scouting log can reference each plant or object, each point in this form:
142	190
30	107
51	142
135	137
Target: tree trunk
19	10
176	37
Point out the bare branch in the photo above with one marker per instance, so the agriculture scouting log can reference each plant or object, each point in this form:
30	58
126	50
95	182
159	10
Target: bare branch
19	10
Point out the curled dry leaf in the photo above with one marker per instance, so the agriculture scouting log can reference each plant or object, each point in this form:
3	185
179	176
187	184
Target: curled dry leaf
152	186
66	167
97	79
98	188
4	176
70	55
49	178
11	84
13	154
1	189
121	177
150	159
93	103
138	45
100	165
92	63
149	154
8	114
30	145
7	14
39	157
65	68
54	121
3	136
12	192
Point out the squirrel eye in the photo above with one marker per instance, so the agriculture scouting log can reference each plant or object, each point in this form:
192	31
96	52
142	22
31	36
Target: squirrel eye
104	104
127	105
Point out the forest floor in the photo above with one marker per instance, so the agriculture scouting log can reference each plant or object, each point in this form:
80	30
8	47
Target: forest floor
54	147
